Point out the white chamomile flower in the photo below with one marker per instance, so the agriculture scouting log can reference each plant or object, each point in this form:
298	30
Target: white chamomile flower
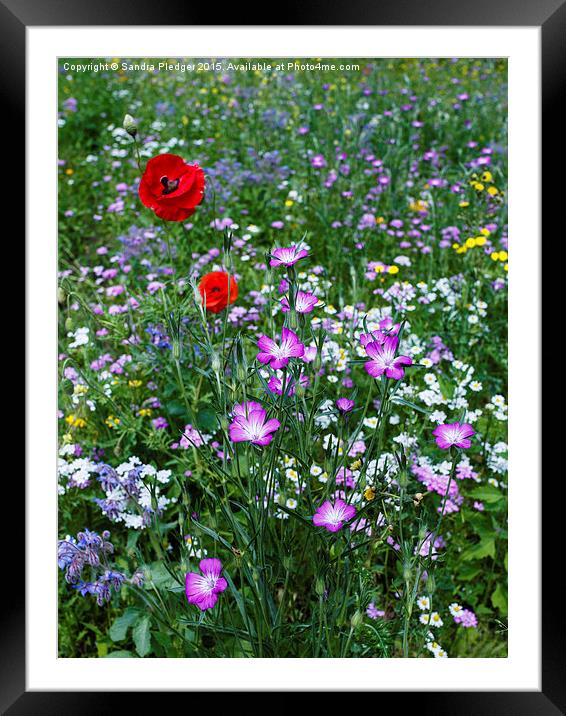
455	609
435	620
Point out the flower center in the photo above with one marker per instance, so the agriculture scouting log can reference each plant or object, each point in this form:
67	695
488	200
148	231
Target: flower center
169	185
211	582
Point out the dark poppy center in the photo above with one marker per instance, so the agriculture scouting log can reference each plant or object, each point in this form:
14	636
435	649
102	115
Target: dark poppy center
215	289
169	185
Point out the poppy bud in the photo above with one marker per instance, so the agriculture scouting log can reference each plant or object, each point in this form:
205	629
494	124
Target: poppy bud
61	295
130	125
319	586
176	350
357	619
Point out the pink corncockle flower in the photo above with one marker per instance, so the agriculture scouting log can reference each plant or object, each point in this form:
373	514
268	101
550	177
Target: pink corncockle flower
332	516
250	424
244	409
275	384
278	355
373	337
304	302
389	327
309	354
287	256
383	359
453	434
203	589
344	405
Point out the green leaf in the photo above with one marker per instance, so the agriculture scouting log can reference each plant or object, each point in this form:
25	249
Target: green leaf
211	533
486	494
120	626
206	420
132	540
120	655
175	407
499	599
484	548
402	401
467	572
142	637
160	577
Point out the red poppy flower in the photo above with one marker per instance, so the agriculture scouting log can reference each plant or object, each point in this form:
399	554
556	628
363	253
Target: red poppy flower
213	288
171	187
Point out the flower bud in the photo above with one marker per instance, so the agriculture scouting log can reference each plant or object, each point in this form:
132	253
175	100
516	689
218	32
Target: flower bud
61	295
130	125
215	363
68	323
357	619
176	349
319	586
430	584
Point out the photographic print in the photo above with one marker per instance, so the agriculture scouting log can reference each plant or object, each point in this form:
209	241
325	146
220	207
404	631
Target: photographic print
282	300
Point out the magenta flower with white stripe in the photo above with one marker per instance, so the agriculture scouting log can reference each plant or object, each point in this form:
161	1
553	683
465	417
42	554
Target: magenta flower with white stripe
287	256
383	359
203	589
332	516
373	337
453	434
250	424
275	384
244	409
277	355
389	327
304	302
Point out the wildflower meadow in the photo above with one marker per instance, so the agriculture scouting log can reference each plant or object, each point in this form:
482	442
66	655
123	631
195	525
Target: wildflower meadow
283	358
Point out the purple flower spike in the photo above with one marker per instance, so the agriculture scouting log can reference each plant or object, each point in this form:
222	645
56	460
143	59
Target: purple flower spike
250	425
453	434
383	359
203	589
278	355
332	516
287	256
344	405
304	302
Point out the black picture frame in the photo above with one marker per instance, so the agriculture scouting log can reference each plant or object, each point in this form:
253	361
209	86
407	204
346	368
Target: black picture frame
550	16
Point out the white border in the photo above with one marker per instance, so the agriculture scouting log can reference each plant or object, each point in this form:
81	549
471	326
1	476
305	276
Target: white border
521	670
